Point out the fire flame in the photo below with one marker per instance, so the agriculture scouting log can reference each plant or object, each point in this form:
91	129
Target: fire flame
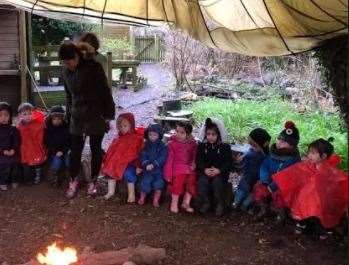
57	256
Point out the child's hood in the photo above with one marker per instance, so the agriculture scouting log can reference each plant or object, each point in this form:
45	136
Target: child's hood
221	127
154	128
129	117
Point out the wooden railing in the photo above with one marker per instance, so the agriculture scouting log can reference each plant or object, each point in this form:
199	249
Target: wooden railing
48	69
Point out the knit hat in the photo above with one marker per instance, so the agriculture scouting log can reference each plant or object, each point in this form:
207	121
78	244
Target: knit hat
57	110
25	106
260	137
7	107
290	134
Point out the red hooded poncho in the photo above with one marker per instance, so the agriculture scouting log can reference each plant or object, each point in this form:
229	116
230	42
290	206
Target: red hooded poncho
32	148
320	192
123	150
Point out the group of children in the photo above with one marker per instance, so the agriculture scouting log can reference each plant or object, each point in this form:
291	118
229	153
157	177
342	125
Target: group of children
313	191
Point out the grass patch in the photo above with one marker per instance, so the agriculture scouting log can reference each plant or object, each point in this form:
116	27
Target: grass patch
240	117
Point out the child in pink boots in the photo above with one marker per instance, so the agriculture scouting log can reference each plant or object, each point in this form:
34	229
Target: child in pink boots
153	158
180	167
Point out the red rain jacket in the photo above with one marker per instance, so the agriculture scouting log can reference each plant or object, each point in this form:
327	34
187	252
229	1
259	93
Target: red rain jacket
315	192
123	151
32	148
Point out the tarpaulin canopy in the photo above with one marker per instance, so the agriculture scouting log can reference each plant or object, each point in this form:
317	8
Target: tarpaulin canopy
252	27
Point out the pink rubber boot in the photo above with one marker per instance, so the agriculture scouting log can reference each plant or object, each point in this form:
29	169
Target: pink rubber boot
141	200
174	203
156	199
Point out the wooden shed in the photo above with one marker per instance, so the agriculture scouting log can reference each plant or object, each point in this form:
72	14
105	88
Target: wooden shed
13	55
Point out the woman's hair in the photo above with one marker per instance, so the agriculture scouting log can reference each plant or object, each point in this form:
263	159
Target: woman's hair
210	125
323	146
91	39
186	125
68	50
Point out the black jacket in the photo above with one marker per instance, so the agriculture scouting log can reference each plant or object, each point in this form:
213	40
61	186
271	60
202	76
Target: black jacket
89	99
9	139
216	155
57	138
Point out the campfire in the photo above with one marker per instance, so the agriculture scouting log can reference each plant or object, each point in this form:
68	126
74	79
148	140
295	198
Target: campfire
57	256
141	254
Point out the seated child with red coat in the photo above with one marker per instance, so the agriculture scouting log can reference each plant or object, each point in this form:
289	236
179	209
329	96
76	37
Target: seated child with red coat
283	154
314	190
121	160
33	151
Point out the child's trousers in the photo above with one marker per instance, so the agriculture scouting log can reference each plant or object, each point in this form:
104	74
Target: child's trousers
216	185
130	175
152	181
5	172
184	183
57	162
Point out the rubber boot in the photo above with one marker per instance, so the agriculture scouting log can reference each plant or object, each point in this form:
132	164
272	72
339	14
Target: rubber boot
52	177
91	189
174	203
156	199
186	203
37	176
141	200
111	189
73	187
131	198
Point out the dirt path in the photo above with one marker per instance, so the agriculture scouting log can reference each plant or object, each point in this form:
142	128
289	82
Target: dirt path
143	103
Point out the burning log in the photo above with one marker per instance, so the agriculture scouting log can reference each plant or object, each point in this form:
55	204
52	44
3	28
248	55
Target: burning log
142	254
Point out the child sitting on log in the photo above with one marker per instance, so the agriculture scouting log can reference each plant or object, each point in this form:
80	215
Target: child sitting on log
251	162
32	149
9	148
314	190
179	170
213	162
283	154
57	140
121	160
153	158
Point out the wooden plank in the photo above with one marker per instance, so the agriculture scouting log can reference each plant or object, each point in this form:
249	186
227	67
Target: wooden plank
8	36
7	65
8	44
9	51
7	57
11	30
8	72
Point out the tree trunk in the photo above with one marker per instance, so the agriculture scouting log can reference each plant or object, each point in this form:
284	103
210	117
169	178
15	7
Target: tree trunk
333	56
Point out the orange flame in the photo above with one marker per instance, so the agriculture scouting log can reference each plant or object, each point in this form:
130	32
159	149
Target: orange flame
57	256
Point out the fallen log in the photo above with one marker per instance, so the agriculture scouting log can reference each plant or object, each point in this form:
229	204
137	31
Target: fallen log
141	255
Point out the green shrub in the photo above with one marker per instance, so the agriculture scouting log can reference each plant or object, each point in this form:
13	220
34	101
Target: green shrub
240	117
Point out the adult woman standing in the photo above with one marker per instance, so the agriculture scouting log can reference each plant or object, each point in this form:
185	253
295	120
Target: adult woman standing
90	107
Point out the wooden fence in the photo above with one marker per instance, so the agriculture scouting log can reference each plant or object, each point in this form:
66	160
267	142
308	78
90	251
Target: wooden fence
149	49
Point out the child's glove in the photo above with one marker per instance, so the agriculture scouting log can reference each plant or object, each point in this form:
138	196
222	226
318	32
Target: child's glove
149	167
9	152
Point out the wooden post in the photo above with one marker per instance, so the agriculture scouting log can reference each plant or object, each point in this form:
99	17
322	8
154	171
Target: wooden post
132	42
30	60
110	69
23	55
157	48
